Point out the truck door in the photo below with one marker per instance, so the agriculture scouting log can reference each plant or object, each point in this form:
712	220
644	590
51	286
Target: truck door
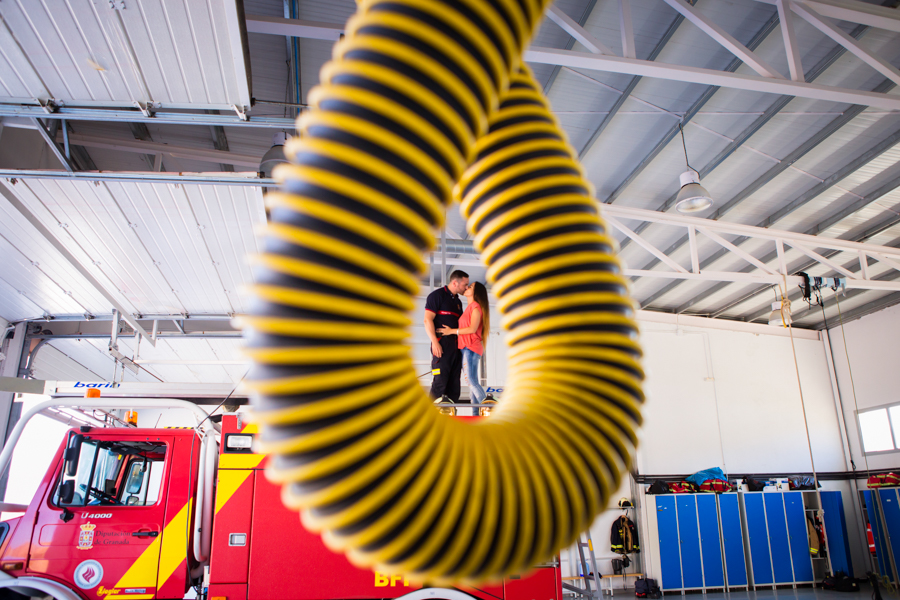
100	528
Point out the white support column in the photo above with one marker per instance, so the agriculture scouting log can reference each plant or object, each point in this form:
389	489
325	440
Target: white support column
695	257
786	21
863	265
627	29
13	349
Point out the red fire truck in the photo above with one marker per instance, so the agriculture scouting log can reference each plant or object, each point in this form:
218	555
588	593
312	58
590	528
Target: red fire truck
132	514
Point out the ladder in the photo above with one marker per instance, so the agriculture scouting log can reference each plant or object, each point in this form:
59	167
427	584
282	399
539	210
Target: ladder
589	571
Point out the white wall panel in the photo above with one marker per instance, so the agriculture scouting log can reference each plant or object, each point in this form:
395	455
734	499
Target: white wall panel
54	365
177	53
872	348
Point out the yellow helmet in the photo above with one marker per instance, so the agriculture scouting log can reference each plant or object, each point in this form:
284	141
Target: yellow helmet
445	410
486	407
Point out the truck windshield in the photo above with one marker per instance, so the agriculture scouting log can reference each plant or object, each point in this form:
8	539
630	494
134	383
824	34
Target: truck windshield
117	473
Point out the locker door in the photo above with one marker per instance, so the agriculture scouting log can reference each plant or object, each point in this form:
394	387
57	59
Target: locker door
669	554
778	537
836	531
691	563
881	551
732	540
710	543
798	534
892	519
757	534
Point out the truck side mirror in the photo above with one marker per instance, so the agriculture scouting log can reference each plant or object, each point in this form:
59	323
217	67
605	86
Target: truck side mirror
72	454
67	492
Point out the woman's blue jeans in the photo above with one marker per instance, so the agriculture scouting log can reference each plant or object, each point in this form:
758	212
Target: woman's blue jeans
470	364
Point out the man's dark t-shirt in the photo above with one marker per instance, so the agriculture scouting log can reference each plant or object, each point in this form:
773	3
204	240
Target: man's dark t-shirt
446	369
447	308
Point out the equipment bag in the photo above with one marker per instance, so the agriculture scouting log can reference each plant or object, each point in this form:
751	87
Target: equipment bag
700	477
717	486
754	485
840	583
658	487
682	487
884	480
646	588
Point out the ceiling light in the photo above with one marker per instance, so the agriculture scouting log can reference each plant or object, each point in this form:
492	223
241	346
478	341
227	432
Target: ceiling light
692	197
781	313
273	157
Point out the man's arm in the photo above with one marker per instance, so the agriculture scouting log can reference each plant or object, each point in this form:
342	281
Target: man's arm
476	321
429	329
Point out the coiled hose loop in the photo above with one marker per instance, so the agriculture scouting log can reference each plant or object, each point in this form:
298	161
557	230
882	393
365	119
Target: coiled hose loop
417	91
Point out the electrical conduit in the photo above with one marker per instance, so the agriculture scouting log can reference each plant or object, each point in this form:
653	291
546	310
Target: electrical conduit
417	91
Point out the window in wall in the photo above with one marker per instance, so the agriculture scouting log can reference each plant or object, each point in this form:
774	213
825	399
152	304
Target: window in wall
879	429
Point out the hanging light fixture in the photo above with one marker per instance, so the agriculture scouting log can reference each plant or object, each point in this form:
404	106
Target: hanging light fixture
781	313
692	197
272	158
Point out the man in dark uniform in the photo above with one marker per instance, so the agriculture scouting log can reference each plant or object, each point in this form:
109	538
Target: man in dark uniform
443	307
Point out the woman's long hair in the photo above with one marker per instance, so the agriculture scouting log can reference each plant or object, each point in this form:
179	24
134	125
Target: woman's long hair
479	295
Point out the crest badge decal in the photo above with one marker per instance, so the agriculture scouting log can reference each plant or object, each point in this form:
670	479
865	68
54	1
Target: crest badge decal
86	536
88	574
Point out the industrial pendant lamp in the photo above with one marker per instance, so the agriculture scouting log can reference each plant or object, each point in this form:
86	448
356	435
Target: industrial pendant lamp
692	197
781	313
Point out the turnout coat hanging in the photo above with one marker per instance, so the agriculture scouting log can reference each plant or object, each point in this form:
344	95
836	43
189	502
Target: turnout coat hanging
623	537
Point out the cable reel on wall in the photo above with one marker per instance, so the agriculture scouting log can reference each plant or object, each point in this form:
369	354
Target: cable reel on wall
428	101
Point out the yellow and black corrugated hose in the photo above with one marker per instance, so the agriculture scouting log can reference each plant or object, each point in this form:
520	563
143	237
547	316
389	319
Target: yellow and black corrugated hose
427	101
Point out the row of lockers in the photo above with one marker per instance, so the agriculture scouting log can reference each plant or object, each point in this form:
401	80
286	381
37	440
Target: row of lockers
709	541
883	514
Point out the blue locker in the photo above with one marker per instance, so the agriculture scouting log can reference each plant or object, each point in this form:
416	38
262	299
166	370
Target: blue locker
669	543
778	538
835	523
733	540
710	543
891	510
760	561
691	567
881	551
798	534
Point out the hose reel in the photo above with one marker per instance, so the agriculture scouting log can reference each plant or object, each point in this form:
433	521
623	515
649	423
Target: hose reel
425	102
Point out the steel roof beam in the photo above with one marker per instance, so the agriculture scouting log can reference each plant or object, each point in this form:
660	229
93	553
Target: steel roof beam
751	83
773	172
690	114
569	43
757	124
629	88
790	207
141	176
868	233
856	12
135	116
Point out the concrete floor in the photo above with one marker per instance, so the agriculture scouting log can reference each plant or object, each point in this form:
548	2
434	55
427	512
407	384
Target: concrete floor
806	593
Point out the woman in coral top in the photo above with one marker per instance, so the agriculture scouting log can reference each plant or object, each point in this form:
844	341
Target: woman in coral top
475	320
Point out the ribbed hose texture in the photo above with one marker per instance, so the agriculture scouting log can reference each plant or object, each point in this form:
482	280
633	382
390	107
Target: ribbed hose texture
427	101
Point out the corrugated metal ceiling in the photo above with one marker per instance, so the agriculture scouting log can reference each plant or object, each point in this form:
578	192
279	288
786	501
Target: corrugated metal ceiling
179	249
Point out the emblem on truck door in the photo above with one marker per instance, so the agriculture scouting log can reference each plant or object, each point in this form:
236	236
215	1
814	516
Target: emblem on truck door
88	574
86	536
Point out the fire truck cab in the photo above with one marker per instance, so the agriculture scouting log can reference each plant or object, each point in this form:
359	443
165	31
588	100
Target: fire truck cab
137	514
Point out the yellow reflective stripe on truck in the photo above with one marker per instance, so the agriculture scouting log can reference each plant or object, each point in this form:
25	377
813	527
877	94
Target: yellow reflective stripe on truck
167	552
229	482
240	461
